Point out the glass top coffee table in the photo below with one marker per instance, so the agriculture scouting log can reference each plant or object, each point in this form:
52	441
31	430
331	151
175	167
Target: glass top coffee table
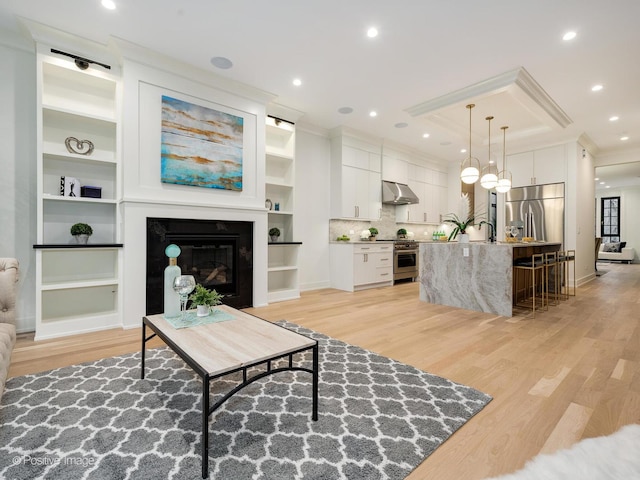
236	345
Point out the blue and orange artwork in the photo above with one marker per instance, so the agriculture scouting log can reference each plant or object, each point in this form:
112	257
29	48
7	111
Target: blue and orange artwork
200	146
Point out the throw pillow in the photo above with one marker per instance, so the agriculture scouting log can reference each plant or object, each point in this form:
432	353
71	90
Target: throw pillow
613	247
622	245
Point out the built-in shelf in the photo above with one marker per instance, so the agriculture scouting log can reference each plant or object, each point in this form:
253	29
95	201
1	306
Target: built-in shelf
283	278
77	285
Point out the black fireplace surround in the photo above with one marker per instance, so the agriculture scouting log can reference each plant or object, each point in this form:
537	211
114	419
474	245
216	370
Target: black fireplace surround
219	254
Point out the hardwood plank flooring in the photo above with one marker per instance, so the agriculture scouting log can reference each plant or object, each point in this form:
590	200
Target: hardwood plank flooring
571	372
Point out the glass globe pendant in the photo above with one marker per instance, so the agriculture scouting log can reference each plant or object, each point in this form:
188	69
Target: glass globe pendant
504	176
489	177
470	167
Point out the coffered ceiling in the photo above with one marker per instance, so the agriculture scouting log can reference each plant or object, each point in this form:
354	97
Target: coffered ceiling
429	59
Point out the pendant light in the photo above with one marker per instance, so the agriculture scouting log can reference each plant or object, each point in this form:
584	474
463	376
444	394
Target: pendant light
504	177
470	167
489	177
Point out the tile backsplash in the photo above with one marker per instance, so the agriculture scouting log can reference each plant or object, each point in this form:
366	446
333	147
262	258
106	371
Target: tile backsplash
387	226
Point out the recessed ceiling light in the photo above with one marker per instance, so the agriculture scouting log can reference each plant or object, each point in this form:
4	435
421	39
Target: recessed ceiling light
602	183
569	36
615	118
109	4
372	32
221	62
608	186
596	179
373	113
401	125
297	82
425	135
624	138
463	150
345	110
596	88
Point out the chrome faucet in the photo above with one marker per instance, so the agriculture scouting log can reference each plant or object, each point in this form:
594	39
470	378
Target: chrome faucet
492	231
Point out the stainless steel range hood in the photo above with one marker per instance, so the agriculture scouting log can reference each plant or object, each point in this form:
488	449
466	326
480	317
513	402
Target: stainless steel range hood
397	194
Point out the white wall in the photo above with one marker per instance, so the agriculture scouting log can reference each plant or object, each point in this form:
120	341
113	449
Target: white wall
144	195
312	201
580	212
18	165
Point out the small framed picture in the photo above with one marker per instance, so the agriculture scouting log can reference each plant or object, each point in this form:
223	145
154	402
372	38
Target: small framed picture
69	187
267	204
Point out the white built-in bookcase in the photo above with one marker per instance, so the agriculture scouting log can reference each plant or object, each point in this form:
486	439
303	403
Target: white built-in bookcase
283	274
77	286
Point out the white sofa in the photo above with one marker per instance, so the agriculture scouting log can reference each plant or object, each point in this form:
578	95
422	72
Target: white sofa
8	279
626	254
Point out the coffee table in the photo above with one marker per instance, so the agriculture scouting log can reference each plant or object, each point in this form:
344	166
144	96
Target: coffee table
219	349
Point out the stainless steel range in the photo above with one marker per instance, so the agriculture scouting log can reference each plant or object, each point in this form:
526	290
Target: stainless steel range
405	259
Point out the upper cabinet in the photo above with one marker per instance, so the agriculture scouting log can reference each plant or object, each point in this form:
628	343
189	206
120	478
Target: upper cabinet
356	179
426	180
539	167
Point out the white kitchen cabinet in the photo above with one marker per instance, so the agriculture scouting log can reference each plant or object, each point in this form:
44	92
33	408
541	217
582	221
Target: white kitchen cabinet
430	186
356	181
395	169
283	276
357	266
78	127
539	167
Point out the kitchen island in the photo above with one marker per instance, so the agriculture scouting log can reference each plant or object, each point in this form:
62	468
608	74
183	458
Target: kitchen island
476	276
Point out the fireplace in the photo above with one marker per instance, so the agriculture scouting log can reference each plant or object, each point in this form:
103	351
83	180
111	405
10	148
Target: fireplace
217	253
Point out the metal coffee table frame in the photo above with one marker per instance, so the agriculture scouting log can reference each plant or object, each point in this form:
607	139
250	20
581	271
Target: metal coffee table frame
206	377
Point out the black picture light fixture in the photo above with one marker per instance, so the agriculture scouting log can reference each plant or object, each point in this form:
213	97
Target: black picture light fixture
81	62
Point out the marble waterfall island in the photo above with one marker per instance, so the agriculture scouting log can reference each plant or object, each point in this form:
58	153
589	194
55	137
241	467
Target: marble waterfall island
474	276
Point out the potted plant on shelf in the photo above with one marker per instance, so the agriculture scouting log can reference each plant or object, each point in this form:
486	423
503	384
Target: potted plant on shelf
274	233
374	232
402	233
81	232
204	299
462	220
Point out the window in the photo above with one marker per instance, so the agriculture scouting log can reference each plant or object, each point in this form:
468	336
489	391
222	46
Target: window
610	219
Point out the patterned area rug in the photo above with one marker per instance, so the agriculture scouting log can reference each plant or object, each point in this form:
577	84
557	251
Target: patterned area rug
378	419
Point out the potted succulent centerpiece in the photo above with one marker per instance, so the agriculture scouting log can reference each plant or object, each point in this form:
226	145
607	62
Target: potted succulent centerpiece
374	232
81	232
464	219
402	233
274	233
204	299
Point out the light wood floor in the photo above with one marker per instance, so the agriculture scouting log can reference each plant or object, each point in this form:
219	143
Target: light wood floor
572	372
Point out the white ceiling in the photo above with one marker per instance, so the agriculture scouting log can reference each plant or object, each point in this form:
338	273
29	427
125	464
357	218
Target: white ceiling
431	58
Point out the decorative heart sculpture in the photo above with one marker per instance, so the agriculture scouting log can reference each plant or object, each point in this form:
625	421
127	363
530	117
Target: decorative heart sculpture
83	147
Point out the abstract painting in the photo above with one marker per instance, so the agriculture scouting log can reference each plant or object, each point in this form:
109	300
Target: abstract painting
200	146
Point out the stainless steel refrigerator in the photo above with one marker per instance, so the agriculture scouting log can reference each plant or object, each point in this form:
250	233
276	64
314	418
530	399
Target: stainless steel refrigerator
537	211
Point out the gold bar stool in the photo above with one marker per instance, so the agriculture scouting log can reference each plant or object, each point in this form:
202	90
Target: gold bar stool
552	266
565	258
537	268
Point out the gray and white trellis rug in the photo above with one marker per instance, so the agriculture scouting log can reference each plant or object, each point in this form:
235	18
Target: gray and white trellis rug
378	419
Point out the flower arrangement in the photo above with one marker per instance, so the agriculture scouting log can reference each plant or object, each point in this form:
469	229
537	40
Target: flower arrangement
365	234
463	219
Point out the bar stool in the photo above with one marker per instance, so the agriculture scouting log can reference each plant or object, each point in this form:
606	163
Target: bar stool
552	267
537	268
564	258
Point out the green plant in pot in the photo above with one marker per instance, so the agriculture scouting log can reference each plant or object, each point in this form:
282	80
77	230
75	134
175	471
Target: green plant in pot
464	219
203	299
374	232
402	233
81	232
274	233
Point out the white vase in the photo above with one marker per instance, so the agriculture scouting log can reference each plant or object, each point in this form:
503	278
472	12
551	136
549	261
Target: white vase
274	238
203	310
82	239
463	238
